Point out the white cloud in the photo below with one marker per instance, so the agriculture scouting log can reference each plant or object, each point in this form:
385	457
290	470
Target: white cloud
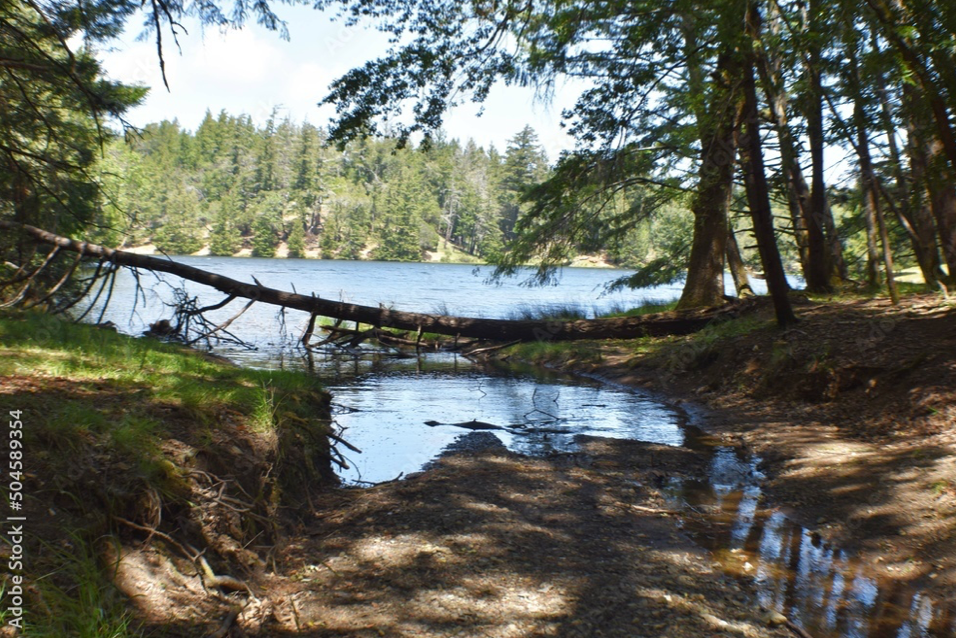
232	59
252	70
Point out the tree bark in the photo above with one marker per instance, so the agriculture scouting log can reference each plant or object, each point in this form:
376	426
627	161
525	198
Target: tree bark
798	192
705	270
818	276
872	255
913	216
871	201
868	181
933	178
382	317
755	179
943	204
738	270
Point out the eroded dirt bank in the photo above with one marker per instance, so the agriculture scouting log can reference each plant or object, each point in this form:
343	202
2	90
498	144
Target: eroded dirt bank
853	412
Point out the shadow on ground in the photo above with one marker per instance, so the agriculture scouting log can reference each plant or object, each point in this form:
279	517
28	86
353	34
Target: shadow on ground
494	544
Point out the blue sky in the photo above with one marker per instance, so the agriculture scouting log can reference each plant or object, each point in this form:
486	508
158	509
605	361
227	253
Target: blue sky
253	70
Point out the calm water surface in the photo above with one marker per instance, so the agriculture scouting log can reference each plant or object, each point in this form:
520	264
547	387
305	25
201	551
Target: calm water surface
382	403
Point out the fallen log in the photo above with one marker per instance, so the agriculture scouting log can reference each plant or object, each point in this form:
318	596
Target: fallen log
661	324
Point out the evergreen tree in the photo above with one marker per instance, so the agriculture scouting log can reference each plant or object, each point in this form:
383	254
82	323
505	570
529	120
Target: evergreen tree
180	232
267	225
224	240
404	205
296	242
525	165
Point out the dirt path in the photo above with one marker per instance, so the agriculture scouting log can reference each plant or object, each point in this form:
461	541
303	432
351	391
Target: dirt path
500	545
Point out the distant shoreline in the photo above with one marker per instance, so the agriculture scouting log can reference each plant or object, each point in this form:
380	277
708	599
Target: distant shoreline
439	256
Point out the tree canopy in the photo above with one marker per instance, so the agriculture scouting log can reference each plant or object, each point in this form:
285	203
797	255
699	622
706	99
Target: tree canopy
725	107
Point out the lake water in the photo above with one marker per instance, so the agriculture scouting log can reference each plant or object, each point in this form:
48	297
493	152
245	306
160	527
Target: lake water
382	403
454	289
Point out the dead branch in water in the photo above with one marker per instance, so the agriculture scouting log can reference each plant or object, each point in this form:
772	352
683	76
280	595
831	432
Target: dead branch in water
671	323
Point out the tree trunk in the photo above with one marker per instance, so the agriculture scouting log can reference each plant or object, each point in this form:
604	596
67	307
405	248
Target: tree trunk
798	192
818	276
738	270
913	216
943	204
918	67
705	270
868	181
872	255
382	317
755	179
932	178
871	200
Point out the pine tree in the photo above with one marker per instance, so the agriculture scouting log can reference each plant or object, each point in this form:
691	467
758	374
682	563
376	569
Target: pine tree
296	241
224	240
525	165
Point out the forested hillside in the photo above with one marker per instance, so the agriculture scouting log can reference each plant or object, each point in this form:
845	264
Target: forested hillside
235	187
231	187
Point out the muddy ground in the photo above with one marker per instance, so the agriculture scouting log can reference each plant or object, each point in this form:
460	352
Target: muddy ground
486	543
853	412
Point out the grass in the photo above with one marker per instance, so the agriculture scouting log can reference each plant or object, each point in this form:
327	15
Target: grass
97	409
42	346
906	287
573	311
553	312
667	352
646	308
87	604
557	352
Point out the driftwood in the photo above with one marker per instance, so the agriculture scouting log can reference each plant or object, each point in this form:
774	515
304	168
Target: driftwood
661	324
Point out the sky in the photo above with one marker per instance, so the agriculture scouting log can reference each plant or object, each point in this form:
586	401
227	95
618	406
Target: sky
253	70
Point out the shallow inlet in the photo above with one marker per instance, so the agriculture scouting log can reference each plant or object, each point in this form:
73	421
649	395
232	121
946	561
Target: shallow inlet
824	590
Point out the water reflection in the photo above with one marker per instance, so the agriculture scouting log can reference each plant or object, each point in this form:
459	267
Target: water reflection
824	590
387	406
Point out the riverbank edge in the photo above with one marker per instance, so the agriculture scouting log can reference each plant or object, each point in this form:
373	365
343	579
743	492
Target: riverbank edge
827	409
147	466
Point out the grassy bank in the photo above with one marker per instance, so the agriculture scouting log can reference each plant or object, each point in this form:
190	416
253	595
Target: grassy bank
126	440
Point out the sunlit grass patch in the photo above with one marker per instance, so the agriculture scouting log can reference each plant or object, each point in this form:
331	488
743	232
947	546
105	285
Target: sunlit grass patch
113	425
74	586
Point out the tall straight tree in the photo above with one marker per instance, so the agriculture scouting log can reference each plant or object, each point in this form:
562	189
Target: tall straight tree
755	177
820	261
